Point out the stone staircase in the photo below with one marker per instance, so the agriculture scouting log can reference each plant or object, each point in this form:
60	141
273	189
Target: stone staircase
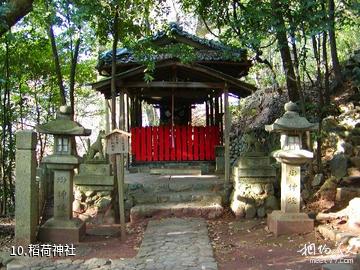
176	195
168	167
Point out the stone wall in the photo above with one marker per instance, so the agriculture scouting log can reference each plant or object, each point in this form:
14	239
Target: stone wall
94	204
255	199
93	193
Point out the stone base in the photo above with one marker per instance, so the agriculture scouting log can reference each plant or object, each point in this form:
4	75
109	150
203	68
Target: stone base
289	223
62	232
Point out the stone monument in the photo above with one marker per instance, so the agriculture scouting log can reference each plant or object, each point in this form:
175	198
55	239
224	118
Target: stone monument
26	188
94	186
291	126
253	182
219	159
62	227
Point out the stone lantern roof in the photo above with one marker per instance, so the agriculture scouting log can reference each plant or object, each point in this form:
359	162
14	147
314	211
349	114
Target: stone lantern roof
291	121
63	125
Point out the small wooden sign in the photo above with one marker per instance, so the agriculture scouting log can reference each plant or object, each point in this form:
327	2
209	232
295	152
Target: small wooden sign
117	142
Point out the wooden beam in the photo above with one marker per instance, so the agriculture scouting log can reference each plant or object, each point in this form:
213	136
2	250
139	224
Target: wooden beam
227	136
166	84
222	76
240	86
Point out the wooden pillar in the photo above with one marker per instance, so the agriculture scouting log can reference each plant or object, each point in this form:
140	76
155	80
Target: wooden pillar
107	114
121	110
128	115
211	106
139	112
227	135
207	112
221	119
133	112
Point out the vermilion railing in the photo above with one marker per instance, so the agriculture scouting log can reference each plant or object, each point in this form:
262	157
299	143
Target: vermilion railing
180	143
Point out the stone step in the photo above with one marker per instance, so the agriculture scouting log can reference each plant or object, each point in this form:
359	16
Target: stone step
181	185
205	167
89	180
176	171
167	197
208	209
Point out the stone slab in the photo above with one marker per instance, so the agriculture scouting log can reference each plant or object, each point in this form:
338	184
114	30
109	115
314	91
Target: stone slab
254	180
95	169
255	172
345	194
94	180
62	232
176	171
85	188
337	266
251	162
220	164
334	235
26	140
281	223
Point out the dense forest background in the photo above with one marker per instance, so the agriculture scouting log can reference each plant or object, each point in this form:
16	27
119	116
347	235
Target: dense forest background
49	50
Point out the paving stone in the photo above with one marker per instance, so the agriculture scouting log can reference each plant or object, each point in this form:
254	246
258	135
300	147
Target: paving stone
168	244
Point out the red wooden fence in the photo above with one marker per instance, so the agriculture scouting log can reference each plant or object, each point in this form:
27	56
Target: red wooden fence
180	143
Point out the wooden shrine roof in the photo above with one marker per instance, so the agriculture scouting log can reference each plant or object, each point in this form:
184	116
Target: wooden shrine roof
214	67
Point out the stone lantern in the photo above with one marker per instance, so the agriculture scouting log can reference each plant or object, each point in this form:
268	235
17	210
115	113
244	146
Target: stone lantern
62	228
291	126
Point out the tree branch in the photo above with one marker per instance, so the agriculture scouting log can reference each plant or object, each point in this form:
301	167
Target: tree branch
14	11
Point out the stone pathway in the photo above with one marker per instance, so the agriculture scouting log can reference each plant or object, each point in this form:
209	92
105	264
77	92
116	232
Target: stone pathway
168	244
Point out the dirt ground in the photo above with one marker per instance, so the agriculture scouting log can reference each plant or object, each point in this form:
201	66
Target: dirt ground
99	242
238	244
6	232
247	244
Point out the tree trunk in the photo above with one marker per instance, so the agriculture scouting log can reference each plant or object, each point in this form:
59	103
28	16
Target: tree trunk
326	74
5	161
113	69
297	72
57	65
332	39
115	33
281	36
74	60
13	11
317	59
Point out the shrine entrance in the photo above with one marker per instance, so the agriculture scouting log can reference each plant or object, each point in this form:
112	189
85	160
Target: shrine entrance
175	89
